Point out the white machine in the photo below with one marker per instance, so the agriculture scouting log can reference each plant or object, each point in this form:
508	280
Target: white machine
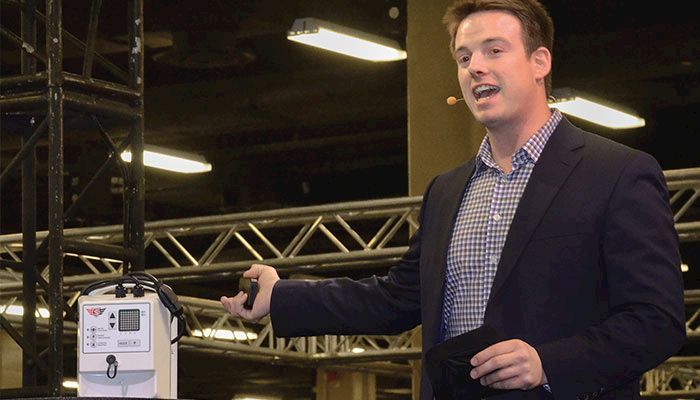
127	342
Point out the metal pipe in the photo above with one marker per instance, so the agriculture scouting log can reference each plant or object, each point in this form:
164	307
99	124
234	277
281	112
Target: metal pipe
54	50
29	258
94	85
11	263
108	65
104	168
32	101
684	173
26	152
26	47
282	264
135	186
671	394
97	105
100	250
91	36
28	348
283	217
21	82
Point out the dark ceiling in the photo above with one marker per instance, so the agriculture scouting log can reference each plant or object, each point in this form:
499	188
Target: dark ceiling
285	125
282	124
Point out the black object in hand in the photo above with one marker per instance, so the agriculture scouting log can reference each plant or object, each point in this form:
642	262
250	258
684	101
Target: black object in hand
448	365
250	287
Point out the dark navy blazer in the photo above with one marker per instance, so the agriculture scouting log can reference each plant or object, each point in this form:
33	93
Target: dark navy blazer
589	274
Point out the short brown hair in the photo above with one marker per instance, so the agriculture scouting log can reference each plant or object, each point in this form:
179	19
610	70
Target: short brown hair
537	25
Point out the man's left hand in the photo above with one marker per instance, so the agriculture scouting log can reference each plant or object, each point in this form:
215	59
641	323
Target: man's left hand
511	364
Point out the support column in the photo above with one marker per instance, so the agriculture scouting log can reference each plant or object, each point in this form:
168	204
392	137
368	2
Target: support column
342	385
54	47
440	136
29	370
135	186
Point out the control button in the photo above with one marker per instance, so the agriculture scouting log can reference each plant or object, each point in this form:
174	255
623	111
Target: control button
135	342
111	325
112	316
123	343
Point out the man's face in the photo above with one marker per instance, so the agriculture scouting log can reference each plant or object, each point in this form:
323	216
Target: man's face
497	76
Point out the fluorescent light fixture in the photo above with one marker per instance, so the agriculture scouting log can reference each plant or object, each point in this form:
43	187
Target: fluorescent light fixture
254	397
574	104
70	384
357	350
19	310
171	160
225	334
343	40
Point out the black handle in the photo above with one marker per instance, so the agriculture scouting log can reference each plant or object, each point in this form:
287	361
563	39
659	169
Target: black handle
250	287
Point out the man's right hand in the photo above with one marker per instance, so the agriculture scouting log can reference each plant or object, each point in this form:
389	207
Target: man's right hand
267	277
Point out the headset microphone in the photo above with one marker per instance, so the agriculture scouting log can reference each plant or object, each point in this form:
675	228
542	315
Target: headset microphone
453	100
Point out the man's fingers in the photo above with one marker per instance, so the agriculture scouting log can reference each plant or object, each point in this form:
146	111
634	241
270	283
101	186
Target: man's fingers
492	351
499	375
492	364
254	271
512	364
234	305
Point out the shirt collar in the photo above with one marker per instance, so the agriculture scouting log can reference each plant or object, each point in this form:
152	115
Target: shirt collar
530	151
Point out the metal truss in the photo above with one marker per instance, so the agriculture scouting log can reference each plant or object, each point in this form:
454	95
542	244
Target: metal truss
295	240
684	188
679	377
44	100
307	240
692	307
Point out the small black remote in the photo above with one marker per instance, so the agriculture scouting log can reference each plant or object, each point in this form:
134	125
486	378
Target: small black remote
250	287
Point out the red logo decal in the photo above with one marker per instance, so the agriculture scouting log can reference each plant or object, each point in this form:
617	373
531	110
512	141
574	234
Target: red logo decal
96	311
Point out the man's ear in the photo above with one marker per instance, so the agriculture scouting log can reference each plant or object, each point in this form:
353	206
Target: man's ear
542	59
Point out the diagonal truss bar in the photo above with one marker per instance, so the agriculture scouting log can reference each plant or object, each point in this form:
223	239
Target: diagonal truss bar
26	149
108	65
684	186
26	47
26	347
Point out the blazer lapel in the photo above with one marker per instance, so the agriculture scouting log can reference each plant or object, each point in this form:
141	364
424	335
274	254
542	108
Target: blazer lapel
555	164
447	206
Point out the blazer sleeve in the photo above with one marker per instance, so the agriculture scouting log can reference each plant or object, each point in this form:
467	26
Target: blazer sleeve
644	289
376	305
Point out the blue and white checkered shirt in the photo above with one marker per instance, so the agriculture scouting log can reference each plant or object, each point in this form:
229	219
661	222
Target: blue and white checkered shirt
484	217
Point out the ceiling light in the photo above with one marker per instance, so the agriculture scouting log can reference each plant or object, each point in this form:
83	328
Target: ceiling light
684	267
225	334
357	350
254	397
19	311
574	104
343	40
171	160
70	384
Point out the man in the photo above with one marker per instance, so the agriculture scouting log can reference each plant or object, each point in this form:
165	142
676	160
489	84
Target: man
559	239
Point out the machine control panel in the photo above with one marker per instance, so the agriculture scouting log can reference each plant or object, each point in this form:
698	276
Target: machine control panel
115	328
